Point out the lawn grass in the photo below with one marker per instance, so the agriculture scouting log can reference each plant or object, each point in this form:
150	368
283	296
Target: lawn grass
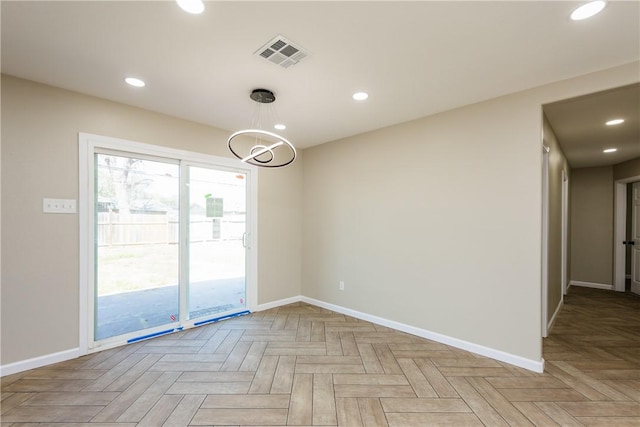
128	268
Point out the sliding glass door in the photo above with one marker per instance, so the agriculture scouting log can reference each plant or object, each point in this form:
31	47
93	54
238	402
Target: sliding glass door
217	231
168	236
136	244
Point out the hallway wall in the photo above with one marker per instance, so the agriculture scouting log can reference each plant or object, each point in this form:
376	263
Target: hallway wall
592	226
558	165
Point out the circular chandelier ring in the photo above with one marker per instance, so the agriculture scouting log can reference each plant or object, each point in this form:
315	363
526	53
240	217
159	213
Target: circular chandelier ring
259	149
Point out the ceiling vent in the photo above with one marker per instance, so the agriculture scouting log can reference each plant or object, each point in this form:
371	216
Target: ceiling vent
282	52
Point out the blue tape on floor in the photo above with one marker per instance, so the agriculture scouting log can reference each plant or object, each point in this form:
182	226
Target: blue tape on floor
217	319
144	337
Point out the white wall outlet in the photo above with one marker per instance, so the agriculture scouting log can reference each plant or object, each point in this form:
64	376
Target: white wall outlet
341	285
59	206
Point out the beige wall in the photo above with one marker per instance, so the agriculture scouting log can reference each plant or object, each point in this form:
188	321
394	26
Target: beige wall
592	225
627	169
381	211
40	126
436	223
557	164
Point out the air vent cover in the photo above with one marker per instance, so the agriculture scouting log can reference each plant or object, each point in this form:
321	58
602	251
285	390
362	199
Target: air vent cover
282	52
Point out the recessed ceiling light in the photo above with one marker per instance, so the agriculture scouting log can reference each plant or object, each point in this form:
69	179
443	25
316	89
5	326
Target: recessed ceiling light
191	6
610	150
134	82
614	122
587	10
280	126
360	96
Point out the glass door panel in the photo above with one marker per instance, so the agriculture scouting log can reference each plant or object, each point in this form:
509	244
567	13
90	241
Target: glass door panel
136	245
217	231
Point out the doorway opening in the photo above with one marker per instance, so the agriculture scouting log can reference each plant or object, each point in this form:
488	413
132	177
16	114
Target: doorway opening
621	222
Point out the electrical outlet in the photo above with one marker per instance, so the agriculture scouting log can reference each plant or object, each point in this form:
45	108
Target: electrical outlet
59	206
341	286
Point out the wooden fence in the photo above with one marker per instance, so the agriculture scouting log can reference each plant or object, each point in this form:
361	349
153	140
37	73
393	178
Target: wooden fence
114	229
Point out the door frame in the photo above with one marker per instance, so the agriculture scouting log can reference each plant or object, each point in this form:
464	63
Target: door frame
619	234
87	143
545	240
565	234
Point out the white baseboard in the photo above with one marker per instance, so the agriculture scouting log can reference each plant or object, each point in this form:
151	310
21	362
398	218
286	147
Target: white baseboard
635	288
591	285
553	318
38	362
627	276
532	365
274	304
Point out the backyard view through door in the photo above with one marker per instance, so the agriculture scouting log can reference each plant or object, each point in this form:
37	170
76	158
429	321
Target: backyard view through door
217	209
169	244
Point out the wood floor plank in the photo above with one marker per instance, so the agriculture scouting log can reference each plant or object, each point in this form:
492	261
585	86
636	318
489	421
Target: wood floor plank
371	412
387	359
299	365
348	342
575	383
264	375
300	411
370	359
623	387
92	398
147	400
370	379
359	390
317	331
487	414
230	341
536	415
348	413
393	404
509	412
324	404
610	421
221	401
222	377
119	405
51	414
253	357
333	343
125	380
283	377
599	409
432	419
209	388
184	411
439	383
420	384
161	411
236	357
542	395
239	417
604	389
14	400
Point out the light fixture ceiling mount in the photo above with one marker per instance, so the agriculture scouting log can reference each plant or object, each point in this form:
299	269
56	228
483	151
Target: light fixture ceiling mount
259	147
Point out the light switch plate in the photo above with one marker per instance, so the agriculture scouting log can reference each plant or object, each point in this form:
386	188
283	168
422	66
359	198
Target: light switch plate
59	206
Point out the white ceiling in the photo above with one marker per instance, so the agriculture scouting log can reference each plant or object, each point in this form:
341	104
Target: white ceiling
414	58
579	125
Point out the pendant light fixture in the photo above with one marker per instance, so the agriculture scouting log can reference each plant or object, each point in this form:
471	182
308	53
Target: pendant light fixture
259	147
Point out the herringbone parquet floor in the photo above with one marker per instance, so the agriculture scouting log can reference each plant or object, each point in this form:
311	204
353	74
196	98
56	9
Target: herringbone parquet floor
303	365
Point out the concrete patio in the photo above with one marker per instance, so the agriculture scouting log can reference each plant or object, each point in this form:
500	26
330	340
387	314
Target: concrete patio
127	312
